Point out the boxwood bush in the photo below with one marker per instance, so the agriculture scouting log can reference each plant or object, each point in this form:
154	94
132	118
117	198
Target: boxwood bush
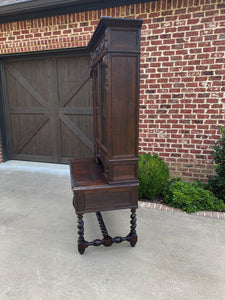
191	197
153	175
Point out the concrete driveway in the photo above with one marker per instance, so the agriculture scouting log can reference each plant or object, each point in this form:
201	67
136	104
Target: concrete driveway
177	256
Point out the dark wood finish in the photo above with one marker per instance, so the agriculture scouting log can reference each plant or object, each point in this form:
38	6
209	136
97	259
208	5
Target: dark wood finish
133	234
81	242
93	193
49	108
102	224
115	55
107	240
110	180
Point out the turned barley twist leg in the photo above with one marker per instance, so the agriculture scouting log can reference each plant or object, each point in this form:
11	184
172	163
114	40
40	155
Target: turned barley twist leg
81	242
133	234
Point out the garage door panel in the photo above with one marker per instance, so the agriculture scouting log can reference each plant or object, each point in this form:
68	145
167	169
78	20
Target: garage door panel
17	94
79	95
20	97
82	96
85	123
32	74
38	143
72	146
71	74
49	106
80	127
27	128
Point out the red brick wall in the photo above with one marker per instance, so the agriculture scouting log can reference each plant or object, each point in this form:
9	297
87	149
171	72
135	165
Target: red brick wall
182	101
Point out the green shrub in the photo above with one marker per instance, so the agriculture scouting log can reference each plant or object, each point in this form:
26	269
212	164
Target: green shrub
153	175
217	184
191	197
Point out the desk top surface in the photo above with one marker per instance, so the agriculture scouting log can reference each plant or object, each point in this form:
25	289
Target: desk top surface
85	172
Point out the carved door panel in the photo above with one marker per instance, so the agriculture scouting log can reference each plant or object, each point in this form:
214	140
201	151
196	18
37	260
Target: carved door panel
49	108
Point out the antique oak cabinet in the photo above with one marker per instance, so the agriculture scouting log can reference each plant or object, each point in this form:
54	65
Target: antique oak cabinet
110	181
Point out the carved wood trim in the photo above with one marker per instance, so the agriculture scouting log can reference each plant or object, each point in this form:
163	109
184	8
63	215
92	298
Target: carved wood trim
103	45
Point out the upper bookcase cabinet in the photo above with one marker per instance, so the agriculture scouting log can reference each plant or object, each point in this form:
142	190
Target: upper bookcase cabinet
115	62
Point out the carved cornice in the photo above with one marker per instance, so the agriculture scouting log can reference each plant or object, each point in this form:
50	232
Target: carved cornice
112	22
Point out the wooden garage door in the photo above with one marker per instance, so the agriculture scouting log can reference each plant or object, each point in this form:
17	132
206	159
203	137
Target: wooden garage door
49	108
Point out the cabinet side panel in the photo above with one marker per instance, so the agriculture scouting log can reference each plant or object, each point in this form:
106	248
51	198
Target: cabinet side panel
124	110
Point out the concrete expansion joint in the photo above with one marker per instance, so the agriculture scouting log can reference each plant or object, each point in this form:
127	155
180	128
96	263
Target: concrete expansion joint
209	214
